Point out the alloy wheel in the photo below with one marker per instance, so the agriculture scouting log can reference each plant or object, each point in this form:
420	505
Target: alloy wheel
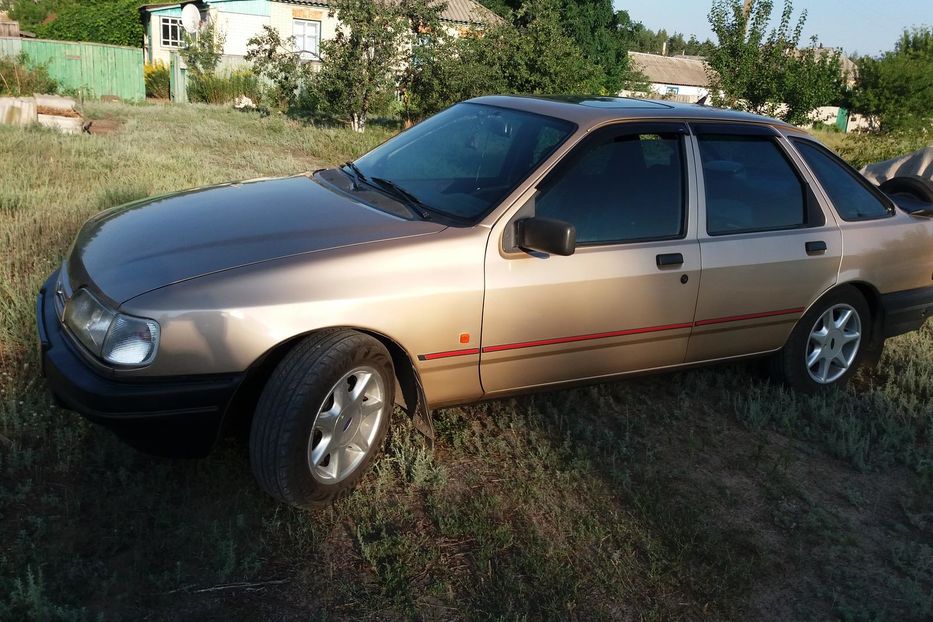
346	425
833	344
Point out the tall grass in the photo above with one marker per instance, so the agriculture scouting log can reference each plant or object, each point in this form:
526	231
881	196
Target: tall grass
861	149
224	88
19	77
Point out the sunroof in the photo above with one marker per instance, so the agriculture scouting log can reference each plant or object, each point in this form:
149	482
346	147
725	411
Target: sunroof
609	102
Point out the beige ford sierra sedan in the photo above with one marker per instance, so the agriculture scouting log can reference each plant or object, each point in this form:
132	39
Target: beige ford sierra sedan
505	245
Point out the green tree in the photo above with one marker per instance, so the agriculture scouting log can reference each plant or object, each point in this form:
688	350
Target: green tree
595	27
429	64
273	59
102	21
598	31
764	71
358	66
897	87
530	55
501	7
32	13
202	50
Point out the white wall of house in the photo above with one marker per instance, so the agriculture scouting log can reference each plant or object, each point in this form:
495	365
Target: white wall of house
682	90
157	48
238	29
241	20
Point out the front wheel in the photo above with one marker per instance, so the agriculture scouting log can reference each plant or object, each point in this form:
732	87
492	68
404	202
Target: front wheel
828	343
322	417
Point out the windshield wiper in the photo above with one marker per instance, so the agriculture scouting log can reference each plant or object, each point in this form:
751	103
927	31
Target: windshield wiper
357	175
408	199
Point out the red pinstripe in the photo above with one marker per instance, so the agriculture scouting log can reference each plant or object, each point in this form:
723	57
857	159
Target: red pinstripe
615	333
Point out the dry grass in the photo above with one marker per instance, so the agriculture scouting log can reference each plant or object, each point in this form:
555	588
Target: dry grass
707	494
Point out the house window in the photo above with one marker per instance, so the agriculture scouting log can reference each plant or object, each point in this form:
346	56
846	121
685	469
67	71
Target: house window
307	37
672	90
171	32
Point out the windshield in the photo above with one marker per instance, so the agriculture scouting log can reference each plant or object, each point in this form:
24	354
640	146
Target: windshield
463	161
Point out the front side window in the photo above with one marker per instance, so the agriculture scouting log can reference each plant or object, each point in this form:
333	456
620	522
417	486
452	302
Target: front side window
171	32
619	186
750	185
465	160
849	195
307	37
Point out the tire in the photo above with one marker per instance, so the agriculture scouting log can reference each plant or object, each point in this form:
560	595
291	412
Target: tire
312	438
790	365
911	185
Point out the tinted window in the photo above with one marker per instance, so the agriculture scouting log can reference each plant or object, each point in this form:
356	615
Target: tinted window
465	160
750	185
851	198
616	188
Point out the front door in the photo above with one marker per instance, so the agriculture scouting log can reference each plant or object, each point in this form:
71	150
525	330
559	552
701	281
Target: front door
625	299
769	248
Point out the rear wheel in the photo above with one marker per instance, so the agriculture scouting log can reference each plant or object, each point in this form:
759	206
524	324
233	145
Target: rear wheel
322	417
828	343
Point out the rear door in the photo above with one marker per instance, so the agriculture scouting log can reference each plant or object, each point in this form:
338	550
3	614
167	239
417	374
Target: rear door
769	248
625	299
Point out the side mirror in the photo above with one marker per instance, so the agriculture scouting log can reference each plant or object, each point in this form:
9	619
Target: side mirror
546	235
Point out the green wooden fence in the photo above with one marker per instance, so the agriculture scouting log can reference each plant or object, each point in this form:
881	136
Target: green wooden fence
94	70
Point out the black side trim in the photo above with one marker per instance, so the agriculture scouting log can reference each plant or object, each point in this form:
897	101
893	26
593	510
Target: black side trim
907	310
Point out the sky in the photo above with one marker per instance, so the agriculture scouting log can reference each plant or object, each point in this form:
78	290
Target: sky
862	26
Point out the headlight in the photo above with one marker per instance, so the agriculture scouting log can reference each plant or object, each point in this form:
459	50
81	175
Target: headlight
117	338
131	340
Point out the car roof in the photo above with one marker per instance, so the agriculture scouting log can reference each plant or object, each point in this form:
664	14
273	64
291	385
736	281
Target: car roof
588	111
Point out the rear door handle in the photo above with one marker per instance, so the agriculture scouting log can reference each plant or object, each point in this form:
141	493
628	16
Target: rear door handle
816	248
670	259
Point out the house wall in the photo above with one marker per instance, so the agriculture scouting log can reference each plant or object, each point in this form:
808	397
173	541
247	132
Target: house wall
240	20
154	49
238	28
680	90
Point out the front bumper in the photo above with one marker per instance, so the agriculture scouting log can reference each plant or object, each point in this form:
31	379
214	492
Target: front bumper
164	416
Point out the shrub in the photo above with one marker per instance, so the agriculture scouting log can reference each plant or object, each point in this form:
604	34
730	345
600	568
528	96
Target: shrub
212	88
203	50
105	21
272	58
158	84
19	77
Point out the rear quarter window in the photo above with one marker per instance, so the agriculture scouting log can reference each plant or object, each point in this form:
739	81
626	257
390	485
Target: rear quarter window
850	194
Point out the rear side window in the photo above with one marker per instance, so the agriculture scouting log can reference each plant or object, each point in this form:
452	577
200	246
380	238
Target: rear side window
619	187
849	194
750	185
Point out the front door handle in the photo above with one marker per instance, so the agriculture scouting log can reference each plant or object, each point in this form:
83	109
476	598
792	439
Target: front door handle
670	259
816	248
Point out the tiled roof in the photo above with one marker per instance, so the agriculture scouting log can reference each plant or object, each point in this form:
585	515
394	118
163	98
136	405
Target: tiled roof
458	11
680	70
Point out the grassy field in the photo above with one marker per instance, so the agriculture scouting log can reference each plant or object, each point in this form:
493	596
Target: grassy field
701	495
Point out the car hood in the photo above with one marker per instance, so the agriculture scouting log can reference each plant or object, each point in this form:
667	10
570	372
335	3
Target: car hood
141	246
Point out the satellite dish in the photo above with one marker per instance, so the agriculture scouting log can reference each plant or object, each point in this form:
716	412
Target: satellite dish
190	18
